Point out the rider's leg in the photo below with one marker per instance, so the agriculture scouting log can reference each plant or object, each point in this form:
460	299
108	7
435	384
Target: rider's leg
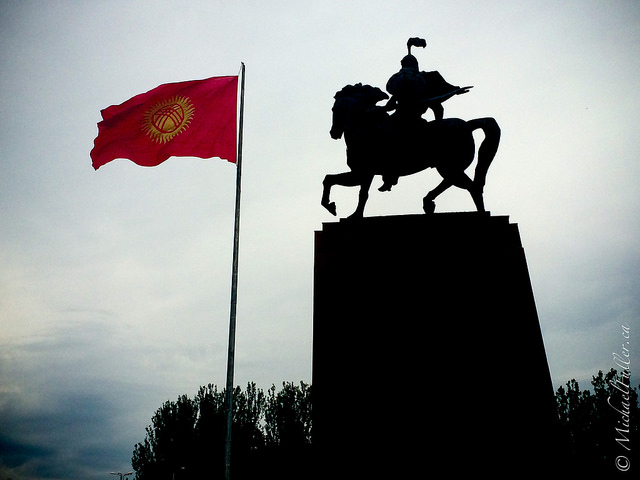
438	111
388	182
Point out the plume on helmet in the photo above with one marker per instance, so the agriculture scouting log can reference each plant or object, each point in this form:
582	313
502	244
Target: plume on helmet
416	42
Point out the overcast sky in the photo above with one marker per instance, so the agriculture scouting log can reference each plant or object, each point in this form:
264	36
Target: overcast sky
114	285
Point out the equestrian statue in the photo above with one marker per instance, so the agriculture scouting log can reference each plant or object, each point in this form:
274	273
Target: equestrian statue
403	143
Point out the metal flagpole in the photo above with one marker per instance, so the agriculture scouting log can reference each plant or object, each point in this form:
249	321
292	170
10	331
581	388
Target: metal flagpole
234	293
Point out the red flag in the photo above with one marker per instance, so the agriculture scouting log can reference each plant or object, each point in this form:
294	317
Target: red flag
196	118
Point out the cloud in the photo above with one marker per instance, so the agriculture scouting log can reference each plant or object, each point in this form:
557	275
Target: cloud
60	407
56	439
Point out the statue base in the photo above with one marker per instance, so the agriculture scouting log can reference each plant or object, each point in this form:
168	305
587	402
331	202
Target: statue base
427	350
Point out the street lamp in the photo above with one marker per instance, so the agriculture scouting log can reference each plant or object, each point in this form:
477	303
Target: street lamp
121	475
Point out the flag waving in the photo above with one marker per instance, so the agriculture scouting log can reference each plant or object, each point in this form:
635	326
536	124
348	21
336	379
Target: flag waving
196	118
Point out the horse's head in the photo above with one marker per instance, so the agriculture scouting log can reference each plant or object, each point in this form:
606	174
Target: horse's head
351	101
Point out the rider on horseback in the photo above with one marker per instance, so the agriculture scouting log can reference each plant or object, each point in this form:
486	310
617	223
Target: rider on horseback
412	93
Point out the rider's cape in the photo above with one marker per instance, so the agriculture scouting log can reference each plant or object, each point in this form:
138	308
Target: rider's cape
436	85
419	85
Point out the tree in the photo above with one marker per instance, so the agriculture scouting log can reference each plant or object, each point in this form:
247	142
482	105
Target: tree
170	440
186	437
287	432
288	416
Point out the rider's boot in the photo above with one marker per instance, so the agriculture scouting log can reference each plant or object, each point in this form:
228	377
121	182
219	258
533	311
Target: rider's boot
389	182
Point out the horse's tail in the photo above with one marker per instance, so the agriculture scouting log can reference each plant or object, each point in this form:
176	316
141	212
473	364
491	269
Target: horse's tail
488	147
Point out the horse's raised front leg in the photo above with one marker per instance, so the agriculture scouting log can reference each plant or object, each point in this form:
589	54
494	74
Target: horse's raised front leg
346	179
327	183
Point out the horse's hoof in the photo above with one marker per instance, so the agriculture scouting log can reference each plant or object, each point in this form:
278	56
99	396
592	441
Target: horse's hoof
352	218
356	216
428	207
331	207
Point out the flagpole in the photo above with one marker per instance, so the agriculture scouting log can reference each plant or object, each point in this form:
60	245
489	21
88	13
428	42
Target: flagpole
234	293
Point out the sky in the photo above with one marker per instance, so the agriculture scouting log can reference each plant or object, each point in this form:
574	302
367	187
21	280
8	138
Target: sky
115	284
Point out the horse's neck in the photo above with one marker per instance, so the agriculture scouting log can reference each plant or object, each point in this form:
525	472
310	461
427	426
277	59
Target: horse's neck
366	125
370	117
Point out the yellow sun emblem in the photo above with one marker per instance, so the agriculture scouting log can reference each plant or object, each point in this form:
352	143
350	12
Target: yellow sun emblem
168	118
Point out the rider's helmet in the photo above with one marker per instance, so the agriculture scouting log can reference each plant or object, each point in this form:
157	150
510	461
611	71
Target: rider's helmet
408	83
410	62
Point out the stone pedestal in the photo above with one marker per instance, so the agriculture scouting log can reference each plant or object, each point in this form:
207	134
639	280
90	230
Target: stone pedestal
427	351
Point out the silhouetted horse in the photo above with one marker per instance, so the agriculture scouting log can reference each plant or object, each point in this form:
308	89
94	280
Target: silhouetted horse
380	144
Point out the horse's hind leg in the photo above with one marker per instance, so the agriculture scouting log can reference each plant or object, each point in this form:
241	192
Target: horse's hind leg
461	180
428	204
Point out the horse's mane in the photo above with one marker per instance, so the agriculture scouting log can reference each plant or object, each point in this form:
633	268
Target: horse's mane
365	92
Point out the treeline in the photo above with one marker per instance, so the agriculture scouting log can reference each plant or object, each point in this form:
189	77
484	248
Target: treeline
272	431
600	427
271	435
